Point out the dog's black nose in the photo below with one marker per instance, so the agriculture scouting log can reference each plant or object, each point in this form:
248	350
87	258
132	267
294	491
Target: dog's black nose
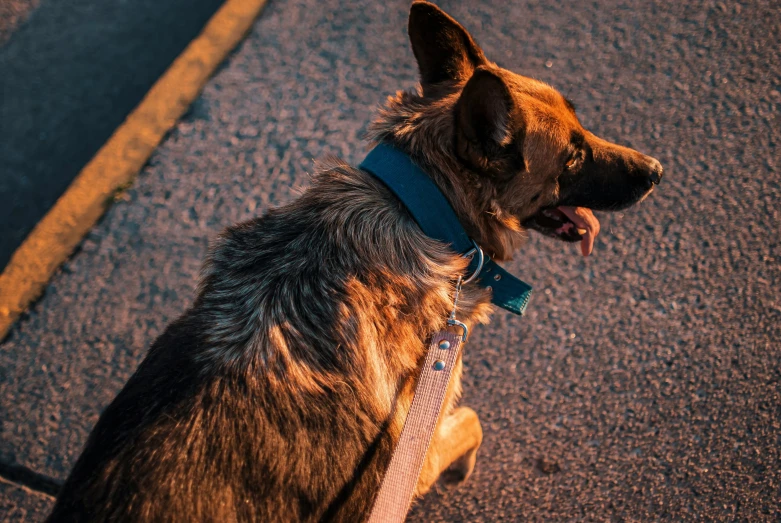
657	171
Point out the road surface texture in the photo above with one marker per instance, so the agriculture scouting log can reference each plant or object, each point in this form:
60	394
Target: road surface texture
69	76
644	384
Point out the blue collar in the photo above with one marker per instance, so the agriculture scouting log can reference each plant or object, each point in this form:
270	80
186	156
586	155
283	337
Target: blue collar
431	210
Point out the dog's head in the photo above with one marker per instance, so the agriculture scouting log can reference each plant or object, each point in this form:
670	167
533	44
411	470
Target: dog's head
508	149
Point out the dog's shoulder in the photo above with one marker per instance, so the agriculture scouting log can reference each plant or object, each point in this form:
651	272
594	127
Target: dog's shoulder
307	262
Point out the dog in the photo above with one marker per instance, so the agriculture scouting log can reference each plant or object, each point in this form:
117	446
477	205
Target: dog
280	394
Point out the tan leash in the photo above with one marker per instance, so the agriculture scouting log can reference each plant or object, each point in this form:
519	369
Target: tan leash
398	485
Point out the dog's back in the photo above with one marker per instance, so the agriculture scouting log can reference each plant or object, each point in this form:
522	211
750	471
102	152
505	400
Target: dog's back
270	398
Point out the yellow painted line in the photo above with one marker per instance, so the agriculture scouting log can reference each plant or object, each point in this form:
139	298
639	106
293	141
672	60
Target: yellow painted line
119	160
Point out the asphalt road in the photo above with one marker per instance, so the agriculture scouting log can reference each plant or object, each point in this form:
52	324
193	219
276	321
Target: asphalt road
645	382
69	75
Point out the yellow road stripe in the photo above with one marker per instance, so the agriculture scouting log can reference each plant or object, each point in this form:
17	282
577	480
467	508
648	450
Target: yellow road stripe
119	160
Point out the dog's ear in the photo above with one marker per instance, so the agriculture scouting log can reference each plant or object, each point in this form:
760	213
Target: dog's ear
484	122
444	50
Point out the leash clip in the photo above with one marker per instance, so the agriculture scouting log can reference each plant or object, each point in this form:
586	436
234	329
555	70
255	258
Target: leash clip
452	321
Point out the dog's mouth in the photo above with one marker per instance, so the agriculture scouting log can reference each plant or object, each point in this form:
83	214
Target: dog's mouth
553	222
570	224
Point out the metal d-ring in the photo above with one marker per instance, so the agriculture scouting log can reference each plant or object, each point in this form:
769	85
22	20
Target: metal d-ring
480	259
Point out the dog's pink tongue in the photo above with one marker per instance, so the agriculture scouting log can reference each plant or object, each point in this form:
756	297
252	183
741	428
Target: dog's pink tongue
587	224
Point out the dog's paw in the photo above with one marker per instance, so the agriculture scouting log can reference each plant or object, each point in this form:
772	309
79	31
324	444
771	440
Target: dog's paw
460	470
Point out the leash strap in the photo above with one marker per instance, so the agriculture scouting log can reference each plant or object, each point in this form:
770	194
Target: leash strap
398	485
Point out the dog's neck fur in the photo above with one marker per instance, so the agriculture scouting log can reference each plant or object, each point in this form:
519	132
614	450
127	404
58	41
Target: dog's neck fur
424	128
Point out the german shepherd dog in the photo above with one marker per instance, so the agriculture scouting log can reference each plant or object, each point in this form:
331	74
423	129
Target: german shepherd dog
279	395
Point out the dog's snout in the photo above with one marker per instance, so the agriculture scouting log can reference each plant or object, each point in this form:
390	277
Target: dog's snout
656	169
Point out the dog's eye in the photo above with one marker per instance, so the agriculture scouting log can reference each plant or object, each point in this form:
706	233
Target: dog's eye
573	160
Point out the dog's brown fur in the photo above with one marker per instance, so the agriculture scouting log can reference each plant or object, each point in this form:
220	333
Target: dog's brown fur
280	394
